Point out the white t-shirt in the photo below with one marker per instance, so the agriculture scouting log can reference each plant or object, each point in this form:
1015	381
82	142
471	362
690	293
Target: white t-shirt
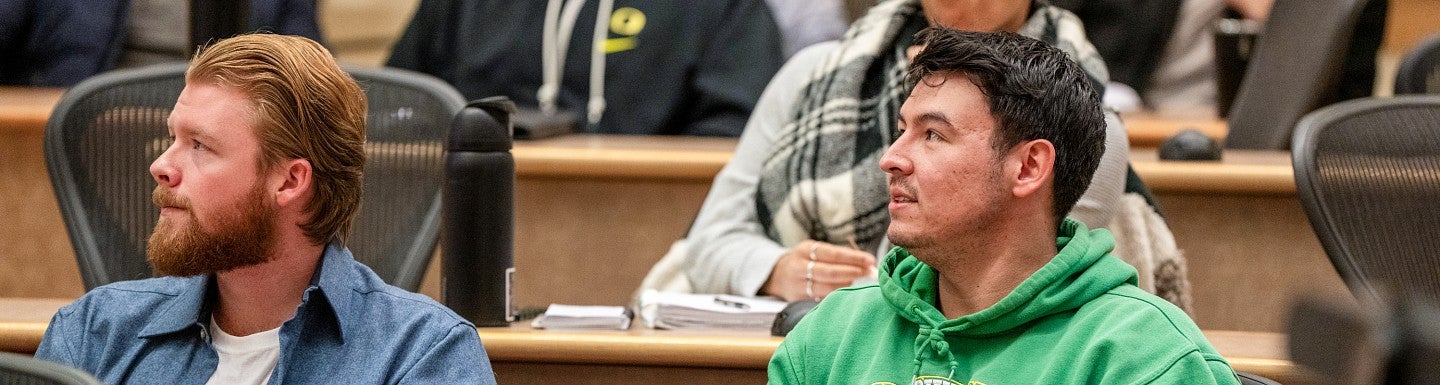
244	360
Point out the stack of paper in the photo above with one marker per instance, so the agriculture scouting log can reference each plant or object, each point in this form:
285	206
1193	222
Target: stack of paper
583	317
708	311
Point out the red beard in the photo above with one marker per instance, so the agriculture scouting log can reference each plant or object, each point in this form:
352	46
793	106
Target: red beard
238	238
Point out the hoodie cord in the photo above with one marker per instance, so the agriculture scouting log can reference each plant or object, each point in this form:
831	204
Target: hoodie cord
596	107
931	340
555	43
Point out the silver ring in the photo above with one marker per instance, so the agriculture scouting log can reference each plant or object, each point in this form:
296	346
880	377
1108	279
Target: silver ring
810	279
814	246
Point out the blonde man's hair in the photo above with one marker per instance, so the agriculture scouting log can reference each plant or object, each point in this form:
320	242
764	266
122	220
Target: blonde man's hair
306	107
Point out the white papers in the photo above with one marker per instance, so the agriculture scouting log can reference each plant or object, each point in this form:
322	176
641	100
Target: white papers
559	316
708	311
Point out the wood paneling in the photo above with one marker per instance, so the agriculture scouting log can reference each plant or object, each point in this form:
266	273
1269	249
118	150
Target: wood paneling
1409	22
36	259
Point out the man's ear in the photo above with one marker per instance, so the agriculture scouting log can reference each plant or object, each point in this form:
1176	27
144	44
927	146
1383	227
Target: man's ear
295	181
1036	160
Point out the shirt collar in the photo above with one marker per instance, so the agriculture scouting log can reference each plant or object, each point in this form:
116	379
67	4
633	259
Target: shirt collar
334	279
337	280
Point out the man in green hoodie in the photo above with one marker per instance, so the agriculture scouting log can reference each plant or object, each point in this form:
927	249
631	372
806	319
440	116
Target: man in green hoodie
990	283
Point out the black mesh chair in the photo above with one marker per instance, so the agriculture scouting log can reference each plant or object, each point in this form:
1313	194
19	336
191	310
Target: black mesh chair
106	131
1295	69
16	369
1419	72
1368	174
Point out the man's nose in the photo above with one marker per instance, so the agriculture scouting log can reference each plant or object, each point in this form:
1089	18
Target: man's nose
163	170
894	160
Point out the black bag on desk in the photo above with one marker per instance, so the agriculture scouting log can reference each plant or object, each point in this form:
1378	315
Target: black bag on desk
533	124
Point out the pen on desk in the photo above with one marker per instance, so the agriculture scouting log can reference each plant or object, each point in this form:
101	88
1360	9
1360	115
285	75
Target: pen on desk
734	304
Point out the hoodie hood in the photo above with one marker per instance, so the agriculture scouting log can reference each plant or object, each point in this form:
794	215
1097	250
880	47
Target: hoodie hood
1082	270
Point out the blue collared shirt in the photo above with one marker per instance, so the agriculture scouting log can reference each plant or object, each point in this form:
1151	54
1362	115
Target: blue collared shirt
350	328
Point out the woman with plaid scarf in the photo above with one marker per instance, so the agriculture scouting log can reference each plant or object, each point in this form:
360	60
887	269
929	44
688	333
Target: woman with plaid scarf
800	210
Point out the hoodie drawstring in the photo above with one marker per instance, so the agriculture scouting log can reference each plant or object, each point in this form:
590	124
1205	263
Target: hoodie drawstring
931	340
555	43
596	108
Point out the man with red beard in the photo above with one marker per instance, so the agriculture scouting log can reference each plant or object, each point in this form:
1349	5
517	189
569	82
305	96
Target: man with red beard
256	195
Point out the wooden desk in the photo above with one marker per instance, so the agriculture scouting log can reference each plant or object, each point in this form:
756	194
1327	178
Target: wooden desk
1147	129
27	108
618	157
1249	245
23	322
1266	173
35	255
521	355
602	209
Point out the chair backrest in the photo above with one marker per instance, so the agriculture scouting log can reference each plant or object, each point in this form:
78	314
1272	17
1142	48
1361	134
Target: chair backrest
407	124
107	130
16	369
1368	174
1294	69
1419	72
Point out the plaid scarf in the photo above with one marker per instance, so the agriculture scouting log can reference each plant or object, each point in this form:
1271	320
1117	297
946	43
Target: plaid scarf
822	180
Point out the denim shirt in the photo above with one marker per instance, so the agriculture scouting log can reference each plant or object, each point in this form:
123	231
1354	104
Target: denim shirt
350	328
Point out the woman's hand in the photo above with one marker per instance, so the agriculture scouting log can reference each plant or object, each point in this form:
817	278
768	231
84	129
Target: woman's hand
813	269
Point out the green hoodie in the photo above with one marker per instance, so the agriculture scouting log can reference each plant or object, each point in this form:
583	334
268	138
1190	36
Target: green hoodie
1080	319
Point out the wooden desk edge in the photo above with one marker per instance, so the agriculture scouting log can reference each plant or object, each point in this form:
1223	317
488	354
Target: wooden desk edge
21	337
536	161
658	348
533	161
24	109
1151	132
509	345
1179	177
22	125
622	348
606	157
27	108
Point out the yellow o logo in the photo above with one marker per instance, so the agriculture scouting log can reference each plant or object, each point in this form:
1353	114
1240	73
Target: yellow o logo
627	21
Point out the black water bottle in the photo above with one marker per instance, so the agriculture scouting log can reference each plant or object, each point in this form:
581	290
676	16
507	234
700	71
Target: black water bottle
479	206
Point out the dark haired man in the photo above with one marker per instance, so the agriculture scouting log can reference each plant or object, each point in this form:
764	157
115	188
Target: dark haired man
990	283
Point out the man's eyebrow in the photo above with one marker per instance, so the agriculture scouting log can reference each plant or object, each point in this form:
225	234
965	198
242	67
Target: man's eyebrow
194	133
934	117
